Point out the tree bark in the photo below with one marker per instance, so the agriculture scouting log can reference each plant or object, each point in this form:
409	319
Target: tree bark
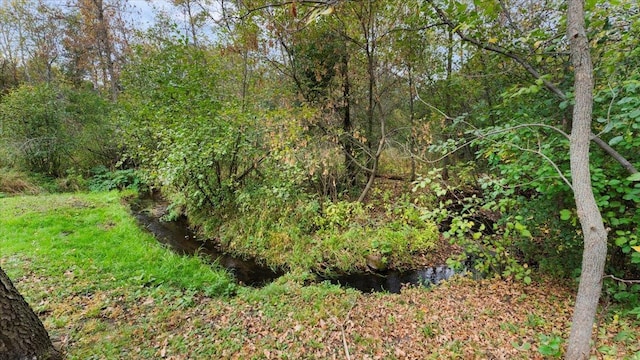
347	125
593	230
105	48
413	140
22	334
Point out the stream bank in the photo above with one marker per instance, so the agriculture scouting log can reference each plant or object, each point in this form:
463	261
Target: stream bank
180	238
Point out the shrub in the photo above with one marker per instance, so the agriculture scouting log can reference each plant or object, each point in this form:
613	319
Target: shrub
51	128
104	180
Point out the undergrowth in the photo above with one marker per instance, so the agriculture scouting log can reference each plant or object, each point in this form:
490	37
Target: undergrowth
106	289
15	182
330	236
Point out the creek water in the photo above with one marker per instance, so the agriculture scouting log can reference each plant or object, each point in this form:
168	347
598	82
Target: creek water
393	281
180	238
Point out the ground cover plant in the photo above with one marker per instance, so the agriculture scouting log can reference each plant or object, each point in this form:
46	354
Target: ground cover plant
321	138
105	289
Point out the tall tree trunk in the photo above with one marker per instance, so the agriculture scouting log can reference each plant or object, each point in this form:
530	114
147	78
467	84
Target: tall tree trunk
106	48
22	335
192	22
446	162
595	235
412	139
347	126
371	48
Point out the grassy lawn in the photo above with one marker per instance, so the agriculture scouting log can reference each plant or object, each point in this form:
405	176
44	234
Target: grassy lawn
106	290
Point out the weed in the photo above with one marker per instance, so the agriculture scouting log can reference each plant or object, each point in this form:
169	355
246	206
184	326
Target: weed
430	330
339	238
550	345
534	321
13	182
105	180
507	326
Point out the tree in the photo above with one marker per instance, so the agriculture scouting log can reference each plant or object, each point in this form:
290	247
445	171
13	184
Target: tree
22	334
51	128
595	236
30	39
96	42
593	229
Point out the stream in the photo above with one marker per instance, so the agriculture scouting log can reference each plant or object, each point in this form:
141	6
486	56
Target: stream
178	237
392	281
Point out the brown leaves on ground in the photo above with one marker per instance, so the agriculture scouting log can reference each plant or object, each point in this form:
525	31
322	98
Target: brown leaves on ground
465	319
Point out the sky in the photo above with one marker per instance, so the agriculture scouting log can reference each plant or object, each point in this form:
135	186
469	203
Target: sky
142	12
146	10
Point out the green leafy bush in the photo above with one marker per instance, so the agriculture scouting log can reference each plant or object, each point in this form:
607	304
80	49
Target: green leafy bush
493	250
51	128
105	180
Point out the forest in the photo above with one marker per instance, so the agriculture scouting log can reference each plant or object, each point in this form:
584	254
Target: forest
496	139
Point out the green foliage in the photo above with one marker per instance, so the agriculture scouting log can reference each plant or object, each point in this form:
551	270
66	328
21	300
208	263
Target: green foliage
492	250
317	56
210	154
183	138
341	214
550	345
51	128
301	233
625	295
618	195
33	120
105	180
529	152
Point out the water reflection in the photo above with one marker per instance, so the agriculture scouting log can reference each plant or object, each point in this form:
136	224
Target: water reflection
393	281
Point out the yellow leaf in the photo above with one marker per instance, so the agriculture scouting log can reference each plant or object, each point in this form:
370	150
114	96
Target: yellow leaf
327	11
493	40
636	248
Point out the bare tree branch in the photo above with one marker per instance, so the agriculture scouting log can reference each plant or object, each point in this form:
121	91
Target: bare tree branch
614	154
285	3
621	280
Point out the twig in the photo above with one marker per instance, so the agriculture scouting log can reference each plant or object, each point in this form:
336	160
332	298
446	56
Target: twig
554	128
344	343
621	280
447	117
344	337
551	162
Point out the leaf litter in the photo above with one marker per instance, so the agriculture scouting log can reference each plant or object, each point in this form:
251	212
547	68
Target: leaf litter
462	318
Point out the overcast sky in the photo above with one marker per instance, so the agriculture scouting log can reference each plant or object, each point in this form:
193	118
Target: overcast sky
146	10
141	12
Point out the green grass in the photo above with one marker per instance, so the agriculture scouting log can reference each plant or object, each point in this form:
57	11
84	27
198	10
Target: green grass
94	236
105	289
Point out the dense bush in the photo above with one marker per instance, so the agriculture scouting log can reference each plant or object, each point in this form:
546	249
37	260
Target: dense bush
52	128
105	180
